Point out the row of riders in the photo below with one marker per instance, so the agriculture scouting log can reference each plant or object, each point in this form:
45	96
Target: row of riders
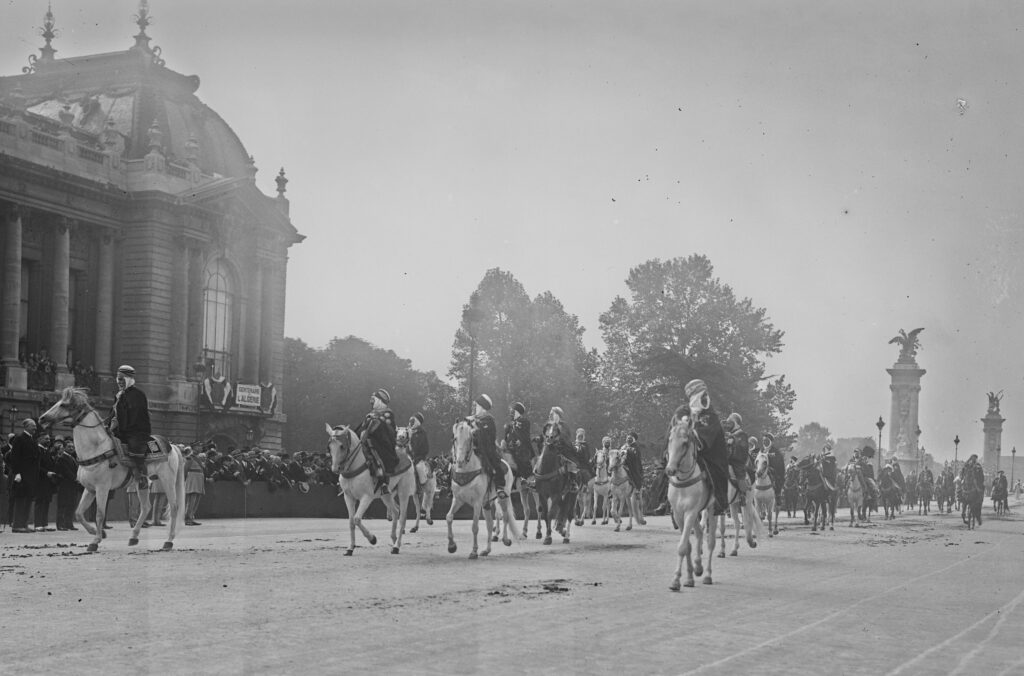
553	469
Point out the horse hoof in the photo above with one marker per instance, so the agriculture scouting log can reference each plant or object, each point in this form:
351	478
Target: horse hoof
594	522
92	547
414	529
831	527
133	541
372	539
394	550
697	570
565	541
348	552
547	541
770	534
775	532
688	583
168	546
538	536
721	555
103	533
736	553
675	586
452	547
485	552
707	580
618	529
430	522
507	542
472	555
494	538
753	544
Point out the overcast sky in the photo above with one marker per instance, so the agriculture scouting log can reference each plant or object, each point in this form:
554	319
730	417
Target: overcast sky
855	168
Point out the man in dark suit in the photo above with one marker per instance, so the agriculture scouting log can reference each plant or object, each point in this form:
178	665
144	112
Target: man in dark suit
129	422
23	461
46	486
68	489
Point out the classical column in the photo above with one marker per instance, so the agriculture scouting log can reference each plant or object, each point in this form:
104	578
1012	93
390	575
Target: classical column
10	328
105	307
179	314
254	326
59	308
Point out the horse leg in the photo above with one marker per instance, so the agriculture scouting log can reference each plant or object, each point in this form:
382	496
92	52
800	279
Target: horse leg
456	503
102	492
476	529
684	550
492	527
83	504
713	523
403	514
417	505
593	520
144	507
545	513
616	512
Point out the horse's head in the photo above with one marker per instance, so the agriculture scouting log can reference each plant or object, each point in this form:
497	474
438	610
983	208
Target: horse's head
601	457
73	403
761	463
682	443
550	433
462	442
339	444
402	438
616	457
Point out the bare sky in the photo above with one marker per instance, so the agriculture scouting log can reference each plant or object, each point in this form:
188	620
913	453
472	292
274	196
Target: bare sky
815	151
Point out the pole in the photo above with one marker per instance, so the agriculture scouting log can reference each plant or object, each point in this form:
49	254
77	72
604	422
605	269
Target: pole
472	365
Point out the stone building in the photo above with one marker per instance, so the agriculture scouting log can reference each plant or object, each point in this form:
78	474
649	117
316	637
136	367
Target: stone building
133	232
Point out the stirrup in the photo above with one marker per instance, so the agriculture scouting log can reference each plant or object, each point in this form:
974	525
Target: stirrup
501	494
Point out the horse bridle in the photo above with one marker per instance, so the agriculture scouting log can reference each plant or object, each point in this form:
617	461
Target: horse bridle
674	472
455	455
345	462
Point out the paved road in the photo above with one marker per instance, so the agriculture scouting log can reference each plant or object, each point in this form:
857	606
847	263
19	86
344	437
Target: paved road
918	595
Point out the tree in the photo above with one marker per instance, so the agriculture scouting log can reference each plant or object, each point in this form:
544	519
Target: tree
333	386
529	351
681	323
811	438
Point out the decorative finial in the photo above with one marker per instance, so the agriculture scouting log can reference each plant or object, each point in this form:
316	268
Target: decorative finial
143	20
281	182
155	137
47	51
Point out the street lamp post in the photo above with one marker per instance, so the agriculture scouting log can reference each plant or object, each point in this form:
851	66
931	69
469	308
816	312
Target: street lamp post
1013	461
12	415
956	450
880	424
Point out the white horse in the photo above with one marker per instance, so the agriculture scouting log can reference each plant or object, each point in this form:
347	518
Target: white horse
689	494
101	468
764	493
348	461
426	489
854	491
621	491
601	486
472	486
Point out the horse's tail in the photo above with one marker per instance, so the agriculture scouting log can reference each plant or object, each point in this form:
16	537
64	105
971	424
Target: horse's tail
179	487
751	519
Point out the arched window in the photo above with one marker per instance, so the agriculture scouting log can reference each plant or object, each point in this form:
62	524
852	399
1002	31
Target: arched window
218	317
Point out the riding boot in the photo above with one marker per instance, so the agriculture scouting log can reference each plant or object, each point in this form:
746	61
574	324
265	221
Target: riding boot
139	470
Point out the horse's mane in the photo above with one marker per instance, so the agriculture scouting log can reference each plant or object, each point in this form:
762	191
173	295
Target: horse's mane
77	397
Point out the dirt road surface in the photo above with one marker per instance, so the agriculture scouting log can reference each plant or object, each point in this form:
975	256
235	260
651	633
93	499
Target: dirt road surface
918	595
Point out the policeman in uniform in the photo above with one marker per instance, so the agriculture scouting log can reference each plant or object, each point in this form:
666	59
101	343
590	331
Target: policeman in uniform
713	453
485	438
517	440
378	433
129	422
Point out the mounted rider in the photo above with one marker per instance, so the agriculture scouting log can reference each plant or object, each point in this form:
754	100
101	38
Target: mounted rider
485	435
632	463
972	469
713	453
128	421
419	446
828	466
580	474
517	440
776	464
583	452
738	448
867	472
378	433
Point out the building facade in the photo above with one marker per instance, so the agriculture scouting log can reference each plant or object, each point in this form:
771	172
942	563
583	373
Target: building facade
133	232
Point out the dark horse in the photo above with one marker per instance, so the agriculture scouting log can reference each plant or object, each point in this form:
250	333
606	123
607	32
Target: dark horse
555	489
925	487
890	493
816	494
827	466
973	487
791	491
945	487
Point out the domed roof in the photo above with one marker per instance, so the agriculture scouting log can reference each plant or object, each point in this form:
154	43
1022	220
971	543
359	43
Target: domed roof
130	91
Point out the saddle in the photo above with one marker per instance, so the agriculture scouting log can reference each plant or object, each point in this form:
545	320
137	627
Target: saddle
158	449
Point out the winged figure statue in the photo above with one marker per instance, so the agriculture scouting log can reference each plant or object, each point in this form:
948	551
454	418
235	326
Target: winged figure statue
909	344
